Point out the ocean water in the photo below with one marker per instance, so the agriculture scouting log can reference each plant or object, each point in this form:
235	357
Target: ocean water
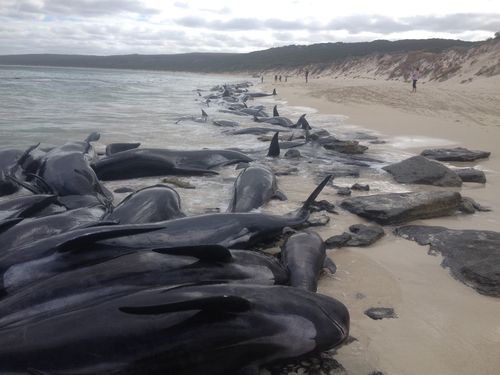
53	105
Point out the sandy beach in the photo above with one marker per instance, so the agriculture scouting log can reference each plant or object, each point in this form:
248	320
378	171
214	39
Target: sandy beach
443	326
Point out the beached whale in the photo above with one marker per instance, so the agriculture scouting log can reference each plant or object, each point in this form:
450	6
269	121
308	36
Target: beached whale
232	230
304	256
157	162
254	187
148	205
78	284
187	330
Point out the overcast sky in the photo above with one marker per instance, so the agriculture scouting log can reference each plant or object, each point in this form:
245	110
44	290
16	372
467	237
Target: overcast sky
105	27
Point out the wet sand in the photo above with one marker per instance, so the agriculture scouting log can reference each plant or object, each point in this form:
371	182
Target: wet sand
443	326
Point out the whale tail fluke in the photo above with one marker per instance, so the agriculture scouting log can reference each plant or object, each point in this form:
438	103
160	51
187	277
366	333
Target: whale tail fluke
304	210
274	92
275	111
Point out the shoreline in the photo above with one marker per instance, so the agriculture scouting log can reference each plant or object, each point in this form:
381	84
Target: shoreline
443	326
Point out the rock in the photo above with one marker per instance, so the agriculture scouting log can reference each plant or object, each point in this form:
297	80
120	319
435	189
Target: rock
364	235
476	205
420	170
377	313
292	154
471	175
345	147
396	208
361	235
338	241
323	205
360	187
344	191
376	373
317	220
455	154
123	190
472	256
178	182
360	296
378	142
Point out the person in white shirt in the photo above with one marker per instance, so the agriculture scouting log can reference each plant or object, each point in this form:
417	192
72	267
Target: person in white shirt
414	77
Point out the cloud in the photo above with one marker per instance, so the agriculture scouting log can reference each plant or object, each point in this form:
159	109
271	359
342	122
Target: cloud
77	9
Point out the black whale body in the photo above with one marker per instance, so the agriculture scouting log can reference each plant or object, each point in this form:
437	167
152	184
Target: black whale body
209	329
147	162
132	271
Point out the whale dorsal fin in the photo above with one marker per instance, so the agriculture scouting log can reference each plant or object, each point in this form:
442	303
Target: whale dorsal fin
275	111
222	303
274	147
214	253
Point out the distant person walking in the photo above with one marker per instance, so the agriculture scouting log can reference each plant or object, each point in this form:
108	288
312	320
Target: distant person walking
276	78
415	75
261	79
280	78
307	75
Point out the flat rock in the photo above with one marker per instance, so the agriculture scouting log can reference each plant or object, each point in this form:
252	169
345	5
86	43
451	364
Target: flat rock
360	187
343	190
377	313
420	170
471	175
361	235
323	205
338	241
397	208
455	154
364	235
317	220
472	256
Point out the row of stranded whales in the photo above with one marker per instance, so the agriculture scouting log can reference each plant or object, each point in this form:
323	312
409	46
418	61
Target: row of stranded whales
133	271
90	287
33	261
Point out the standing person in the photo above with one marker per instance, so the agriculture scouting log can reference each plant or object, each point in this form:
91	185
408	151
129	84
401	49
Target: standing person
275	78
415	75
307	74
261	79
280	78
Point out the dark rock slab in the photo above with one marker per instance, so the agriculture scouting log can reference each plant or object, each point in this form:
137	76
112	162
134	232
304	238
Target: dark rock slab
360	187
343	190
377	313
338	241
420	170
323	205
365	235
361	235
396	208
455	154
472	256
471	175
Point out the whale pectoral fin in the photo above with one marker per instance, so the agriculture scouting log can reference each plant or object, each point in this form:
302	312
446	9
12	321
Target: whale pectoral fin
279	195
75	240
213	253
330	265
231	304
249	370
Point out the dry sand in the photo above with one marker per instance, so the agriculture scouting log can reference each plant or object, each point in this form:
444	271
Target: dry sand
443	327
